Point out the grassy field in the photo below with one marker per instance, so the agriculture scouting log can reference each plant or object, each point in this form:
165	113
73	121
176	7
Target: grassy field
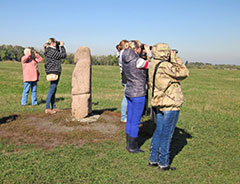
205	144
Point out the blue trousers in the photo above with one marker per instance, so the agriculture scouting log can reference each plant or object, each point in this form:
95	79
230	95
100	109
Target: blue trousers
26	89
135	109
124	107
160	146
51	94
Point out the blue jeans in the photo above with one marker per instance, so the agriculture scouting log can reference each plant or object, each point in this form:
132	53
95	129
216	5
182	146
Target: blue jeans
124	106
135	110
26	89
160	146
51	94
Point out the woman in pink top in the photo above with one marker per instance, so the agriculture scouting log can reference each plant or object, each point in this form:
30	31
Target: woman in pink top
30	75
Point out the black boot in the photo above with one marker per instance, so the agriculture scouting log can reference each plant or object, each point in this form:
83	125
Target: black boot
133	145
127	141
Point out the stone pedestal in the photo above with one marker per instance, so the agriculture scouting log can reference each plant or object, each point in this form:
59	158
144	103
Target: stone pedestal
81	84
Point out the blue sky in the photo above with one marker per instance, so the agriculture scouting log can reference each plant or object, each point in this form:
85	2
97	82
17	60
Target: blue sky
202	31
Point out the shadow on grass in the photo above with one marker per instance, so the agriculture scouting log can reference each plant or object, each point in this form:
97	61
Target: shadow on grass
44	101
100	111
8	119
146	131
179	139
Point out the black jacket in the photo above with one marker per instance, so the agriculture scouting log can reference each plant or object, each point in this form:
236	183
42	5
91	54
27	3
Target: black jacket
53	59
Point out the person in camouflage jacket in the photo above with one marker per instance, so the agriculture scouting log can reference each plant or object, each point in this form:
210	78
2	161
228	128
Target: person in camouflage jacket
166	71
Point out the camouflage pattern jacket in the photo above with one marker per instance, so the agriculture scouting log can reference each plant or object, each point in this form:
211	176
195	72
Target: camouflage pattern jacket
168	94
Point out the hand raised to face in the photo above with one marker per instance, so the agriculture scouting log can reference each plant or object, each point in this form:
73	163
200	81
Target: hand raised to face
61	43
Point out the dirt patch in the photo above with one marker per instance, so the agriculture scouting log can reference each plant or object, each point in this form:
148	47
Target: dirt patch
43	124
49	131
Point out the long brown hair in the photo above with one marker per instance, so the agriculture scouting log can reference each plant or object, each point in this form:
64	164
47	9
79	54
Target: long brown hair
48	43
124	44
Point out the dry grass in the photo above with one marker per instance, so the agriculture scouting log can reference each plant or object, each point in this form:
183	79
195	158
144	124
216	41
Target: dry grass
49	131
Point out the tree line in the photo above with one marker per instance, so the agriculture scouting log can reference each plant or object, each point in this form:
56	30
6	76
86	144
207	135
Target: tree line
201	65
15	53
12	53
96	60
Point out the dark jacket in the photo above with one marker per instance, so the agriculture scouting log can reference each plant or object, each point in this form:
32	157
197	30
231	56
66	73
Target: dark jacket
53	59
136	78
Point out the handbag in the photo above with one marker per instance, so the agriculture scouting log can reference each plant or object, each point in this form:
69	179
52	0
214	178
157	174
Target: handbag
52	77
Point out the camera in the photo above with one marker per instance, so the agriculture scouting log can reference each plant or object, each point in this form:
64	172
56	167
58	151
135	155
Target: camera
32	53
175	50
144	55
142	47
57	45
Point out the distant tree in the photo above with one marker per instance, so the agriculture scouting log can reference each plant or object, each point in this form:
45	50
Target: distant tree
3	54
104	60
9	52
113	60
201	65
69	59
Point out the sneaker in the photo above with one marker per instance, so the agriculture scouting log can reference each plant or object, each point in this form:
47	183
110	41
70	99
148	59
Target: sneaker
153	164
50	111
167	168
123	121
57	110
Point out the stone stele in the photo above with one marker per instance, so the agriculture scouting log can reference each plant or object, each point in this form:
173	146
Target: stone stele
81	84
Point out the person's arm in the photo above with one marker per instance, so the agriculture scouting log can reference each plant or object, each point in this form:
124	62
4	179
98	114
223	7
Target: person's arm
38	58
120	60
141	63
52	53
62	49
144	64
176	70
63	52
25	58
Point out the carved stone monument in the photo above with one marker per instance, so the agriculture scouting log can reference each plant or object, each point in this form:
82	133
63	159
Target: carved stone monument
81	84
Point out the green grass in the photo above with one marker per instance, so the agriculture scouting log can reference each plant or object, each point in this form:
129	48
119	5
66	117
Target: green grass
206	150
106	88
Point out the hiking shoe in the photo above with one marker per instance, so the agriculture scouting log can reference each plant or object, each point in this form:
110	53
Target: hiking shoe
153	164
123	120
57	110
50	111
167	168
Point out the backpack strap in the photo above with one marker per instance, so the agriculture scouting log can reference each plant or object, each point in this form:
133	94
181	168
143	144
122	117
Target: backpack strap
154	109
154	76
